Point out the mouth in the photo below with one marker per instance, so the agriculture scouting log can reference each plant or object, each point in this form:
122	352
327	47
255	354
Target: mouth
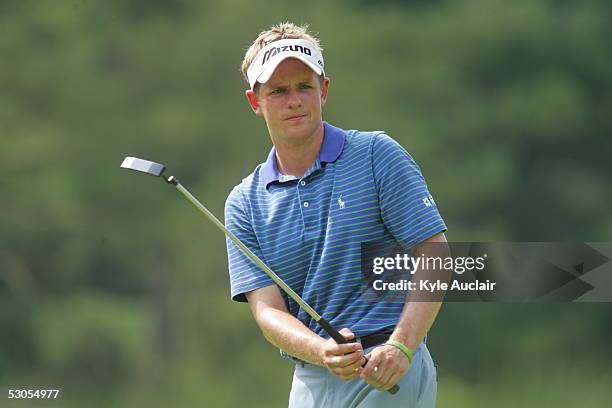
295	117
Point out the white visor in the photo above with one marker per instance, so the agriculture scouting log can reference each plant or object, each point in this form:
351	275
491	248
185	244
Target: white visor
268	58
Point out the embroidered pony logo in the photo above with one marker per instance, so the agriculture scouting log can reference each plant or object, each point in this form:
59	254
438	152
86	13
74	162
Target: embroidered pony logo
341	203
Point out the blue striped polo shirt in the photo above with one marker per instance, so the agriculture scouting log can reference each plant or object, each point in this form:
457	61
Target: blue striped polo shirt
363	187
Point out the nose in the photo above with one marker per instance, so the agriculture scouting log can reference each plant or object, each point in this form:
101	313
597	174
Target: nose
294	99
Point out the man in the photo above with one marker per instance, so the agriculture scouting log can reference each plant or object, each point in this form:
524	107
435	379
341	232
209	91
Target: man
305	211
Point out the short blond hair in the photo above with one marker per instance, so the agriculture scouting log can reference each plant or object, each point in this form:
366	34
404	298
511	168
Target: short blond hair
278	32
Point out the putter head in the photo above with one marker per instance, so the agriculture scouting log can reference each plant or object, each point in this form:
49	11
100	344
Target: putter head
144	166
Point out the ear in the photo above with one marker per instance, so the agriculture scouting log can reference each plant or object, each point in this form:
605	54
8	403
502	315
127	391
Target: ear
324	90
253	101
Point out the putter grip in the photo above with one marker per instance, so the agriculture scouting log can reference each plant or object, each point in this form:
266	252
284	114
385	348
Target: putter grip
335	334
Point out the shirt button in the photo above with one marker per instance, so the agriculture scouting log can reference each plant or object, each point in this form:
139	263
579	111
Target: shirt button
306	204
302	183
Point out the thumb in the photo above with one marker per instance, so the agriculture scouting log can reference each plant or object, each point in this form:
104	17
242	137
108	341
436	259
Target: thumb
347	333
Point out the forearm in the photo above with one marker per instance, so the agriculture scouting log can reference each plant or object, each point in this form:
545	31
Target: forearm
289	334
415	321
422	307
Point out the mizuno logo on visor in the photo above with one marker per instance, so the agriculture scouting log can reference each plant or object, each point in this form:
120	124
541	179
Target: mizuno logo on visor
276	50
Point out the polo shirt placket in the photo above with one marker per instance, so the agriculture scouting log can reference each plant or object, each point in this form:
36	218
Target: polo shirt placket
309	204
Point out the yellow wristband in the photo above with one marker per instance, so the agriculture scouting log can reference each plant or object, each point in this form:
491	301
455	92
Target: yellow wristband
402	347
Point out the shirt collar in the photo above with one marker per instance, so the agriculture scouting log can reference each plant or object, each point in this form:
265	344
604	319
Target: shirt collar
331	147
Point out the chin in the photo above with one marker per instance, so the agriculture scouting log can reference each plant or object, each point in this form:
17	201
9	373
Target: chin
298	128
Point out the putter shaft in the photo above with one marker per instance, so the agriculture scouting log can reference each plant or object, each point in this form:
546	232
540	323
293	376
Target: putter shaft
157	170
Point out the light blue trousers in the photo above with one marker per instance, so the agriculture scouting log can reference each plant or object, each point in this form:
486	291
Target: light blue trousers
316	387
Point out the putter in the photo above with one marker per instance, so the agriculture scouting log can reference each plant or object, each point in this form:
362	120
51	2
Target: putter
157	170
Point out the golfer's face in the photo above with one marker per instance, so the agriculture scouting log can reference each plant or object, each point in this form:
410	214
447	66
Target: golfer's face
291	101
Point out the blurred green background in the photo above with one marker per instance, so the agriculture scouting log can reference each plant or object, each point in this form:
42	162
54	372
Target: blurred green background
113	288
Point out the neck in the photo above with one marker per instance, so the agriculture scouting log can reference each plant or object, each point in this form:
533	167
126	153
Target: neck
294	158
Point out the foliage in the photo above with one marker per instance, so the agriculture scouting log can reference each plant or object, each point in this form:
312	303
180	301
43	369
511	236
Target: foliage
113	288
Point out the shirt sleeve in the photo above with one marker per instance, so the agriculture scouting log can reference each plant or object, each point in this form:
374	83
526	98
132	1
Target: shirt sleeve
408	210
245	275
